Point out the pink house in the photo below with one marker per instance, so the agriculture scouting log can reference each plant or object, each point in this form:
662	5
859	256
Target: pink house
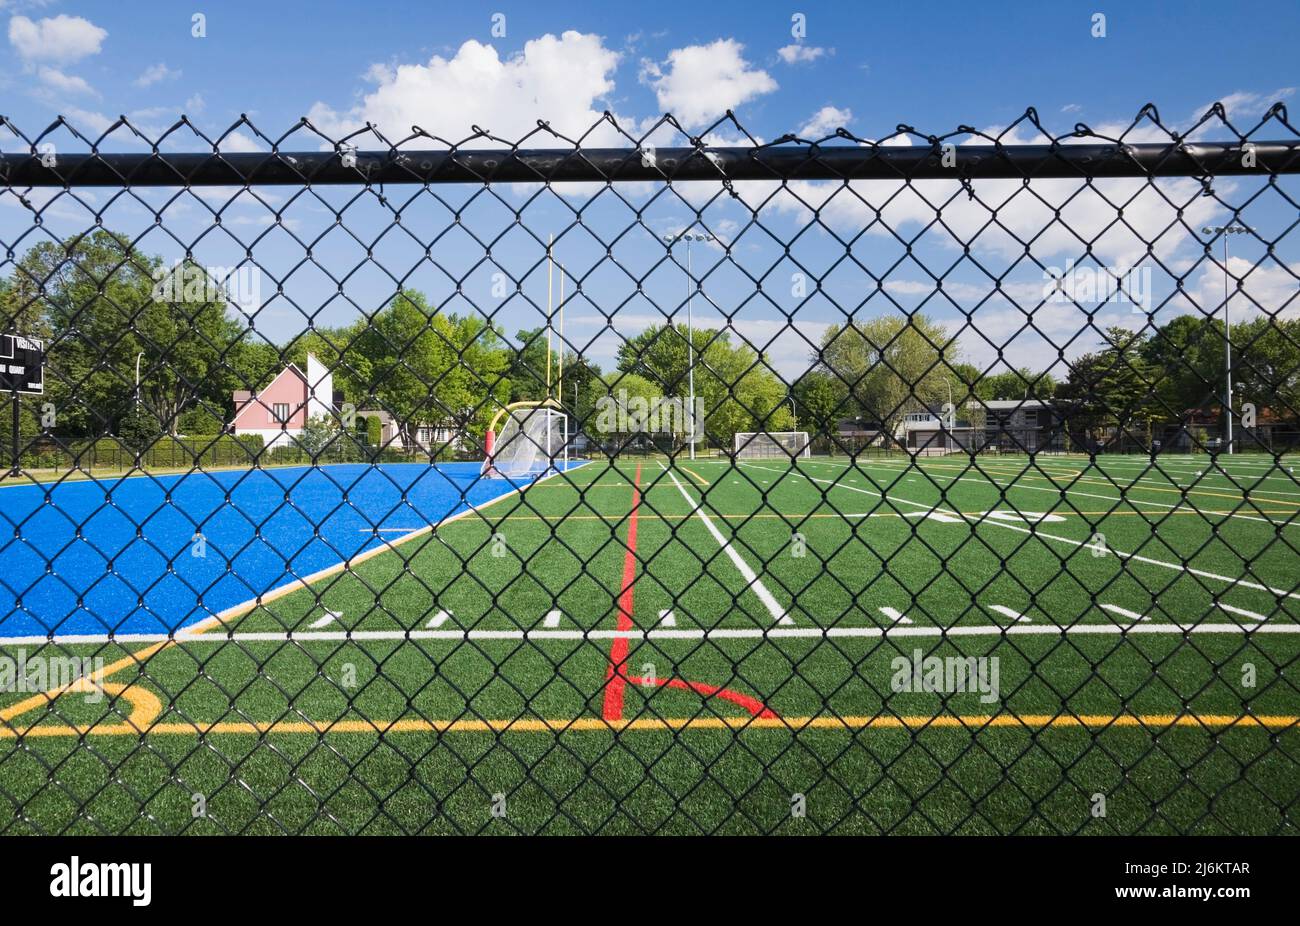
280	411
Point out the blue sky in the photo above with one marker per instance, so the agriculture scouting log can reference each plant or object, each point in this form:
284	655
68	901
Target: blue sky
930	65
865	66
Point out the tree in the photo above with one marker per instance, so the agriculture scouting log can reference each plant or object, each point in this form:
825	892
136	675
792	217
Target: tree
891	365
107	304
820	400
429	367
733	383
1267	367
527	371
138	430
1116	386
613	401
1021	383
1187	352
1190	353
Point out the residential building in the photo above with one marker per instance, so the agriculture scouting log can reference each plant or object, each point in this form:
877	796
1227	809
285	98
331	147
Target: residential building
279	412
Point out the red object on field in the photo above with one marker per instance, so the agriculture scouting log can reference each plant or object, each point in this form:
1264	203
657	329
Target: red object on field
489	444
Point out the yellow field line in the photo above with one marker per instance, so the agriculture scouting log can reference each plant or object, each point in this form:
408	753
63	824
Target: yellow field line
698	478
231	614
95	678
596	724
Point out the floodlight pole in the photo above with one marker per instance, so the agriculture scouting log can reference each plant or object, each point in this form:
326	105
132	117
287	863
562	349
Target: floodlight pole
690	330
1225	231
690	348
559	376
138	358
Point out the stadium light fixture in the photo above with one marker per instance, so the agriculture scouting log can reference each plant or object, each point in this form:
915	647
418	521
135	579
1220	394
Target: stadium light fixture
670	240
1225	231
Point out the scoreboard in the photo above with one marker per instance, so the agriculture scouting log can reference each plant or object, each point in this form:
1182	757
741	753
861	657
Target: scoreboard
22	361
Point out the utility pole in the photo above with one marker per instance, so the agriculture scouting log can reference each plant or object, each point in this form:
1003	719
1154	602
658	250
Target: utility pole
690	331
1225	231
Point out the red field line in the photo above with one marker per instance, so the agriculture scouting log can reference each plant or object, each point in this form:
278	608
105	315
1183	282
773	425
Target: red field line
616	674
616	677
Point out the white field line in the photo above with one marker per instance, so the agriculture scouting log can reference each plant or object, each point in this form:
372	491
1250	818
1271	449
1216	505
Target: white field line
1057	538
1243	612
987	480
329	618
755	583
895	616
1008	612
1191	463
1131	482
1124	612
235	612
552	620
676	633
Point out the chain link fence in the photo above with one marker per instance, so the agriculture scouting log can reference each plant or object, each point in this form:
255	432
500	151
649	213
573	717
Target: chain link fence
651	482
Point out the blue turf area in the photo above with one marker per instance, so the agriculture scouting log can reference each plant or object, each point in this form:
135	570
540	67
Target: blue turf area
99	556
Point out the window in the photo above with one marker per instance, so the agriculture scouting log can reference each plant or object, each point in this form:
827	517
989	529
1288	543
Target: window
280	412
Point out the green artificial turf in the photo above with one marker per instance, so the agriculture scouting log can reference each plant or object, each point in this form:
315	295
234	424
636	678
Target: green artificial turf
850	568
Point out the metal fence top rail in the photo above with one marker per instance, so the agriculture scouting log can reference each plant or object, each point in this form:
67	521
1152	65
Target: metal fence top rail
795	161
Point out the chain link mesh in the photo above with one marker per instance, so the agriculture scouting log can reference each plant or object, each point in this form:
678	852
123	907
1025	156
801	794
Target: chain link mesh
259	574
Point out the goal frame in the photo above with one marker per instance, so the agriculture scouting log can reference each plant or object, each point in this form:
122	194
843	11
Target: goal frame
743	439
489	438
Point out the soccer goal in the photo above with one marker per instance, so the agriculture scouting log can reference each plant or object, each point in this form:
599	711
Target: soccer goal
525	440
772	444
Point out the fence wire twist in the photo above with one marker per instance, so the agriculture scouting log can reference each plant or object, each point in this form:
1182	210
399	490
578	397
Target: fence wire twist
934	483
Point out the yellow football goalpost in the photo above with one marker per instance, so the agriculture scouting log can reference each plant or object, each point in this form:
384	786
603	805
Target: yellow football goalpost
548	403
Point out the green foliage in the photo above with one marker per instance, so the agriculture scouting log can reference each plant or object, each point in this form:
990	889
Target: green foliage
821	400
1021	383
1189	353
427	367
892	365
138	429
737	389
166	452
97	294
1116	386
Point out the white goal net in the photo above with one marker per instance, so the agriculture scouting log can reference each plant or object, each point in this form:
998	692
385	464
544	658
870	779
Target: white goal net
531	442
772	444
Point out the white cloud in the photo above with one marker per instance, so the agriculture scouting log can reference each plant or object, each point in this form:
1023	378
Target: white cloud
825	121
800	54
562	80
1087	213
699	83
1244	103
154	73
1269	287
61	39
65	83
237	142
90	123
195	104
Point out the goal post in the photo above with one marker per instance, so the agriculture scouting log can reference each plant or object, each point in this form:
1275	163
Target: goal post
525	439
772	444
